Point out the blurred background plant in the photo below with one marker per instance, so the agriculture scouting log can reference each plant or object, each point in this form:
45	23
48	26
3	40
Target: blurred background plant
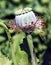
41	42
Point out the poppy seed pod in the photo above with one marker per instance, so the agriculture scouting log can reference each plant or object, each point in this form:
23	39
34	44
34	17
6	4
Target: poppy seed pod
26	20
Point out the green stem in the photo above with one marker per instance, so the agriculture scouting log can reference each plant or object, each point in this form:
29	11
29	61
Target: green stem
30	43
6	29
10	40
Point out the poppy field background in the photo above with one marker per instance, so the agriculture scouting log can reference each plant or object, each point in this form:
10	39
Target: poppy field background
20	50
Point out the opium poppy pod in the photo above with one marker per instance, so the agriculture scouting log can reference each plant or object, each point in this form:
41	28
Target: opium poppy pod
26	20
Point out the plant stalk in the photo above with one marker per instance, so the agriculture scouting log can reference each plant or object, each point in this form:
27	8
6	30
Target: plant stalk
30	43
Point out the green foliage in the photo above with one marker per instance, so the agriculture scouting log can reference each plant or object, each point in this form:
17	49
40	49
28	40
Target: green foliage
8	7
2	38
18	54
4	60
